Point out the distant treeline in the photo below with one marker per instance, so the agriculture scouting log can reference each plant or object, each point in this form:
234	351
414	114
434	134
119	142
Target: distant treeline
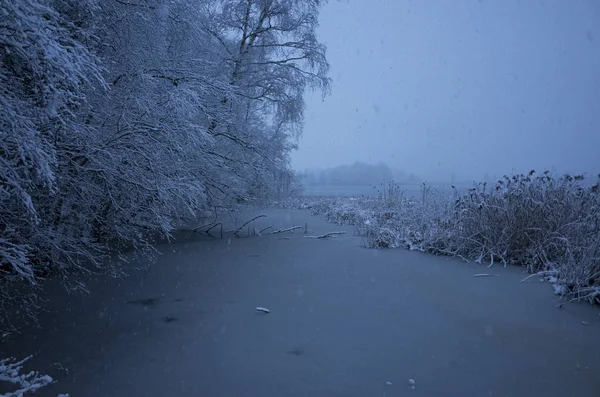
357	174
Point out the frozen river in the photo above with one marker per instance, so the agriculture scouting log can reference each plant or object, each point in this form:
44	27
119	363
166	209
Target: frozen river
344	321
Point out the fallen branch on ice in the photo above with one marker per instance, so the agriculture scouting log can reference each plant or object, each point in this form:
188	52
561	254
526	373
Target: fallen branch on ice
210	227
485	275
289	229
213	226
326	235
253	219
203	226
265	229
543	273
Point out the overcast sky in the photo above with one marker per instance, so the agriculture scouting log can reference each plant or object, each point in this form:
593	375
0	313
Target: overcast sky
469	87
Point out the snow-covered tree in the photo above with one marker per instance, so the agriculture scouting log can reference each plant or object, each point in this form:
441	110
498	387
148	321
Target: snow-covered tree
118	118
44	71
272	55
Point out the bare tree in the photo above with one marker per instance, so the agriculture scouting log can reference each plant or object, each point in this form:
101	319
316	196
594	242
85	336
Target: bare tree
119	118
273	55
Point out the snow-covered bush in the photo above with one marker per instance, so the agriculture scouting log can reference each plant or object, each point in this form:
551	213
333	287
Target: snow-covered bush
547	224
537	221
381	237
22	383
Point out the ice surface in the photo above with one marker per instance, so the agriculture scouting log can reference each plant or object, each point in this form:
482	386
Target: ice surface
338	306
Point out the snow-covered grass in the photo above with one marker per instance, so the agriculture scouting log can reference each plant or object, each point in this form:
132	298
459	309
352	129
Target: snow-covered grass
550	225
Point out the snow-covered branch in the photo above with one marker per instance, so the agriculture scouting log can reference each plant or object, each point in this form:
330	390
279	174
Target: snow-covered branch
326	235
30	382
287	229
122	117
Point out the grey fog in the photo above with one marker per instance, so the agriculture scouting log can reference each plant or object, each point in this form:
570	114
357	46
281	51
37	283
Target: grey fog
463	87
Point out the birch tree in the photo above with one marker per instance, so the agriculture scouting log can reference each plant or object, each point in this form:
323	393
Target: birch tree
121	117
272	53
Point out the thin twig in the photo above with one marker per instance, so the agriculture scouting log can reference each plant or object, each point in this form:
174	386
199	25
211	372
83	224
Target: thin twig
450	253
326	235
543	273
594	294
289	229
266	228
200	227
213	226
253	219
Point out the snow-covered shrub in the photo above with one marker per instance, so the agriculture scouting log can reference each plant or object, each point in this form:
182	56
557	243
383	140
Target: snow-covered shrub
547	224
381	237
30	382
298	202
389	195
537	221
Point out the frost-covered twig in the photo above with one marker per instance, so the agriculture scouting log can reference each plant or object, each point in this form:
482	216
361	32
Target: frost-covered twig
542	273
210	227
326	235
253	219
207	231
450	253
591	294
211	224
27	383
289	229
265	229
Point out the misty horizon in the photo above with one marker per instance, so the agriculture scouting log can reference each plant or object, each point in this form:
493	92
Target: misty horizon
407	176
449	90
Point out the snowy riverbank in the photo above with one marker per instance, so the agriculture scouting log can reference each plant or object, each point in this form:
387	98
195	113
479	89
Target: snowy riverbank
551	226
